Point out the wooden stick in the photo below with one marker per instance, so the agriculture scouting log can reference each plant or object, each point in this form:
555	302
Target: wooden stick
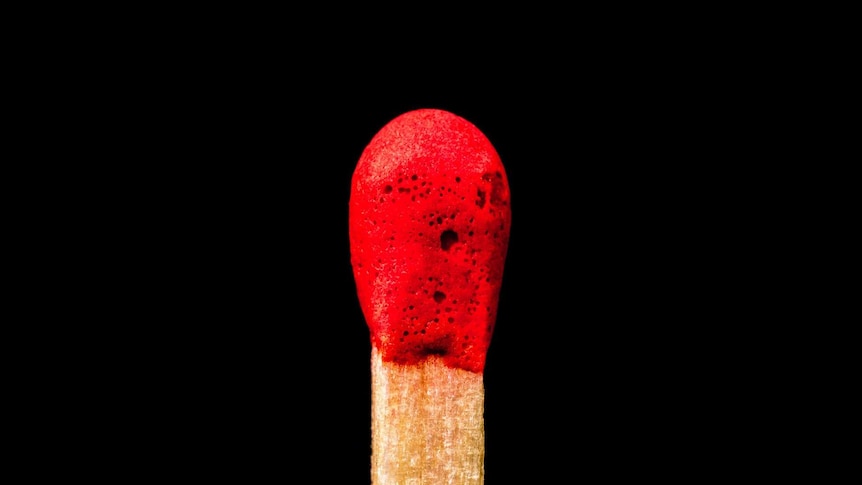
427	424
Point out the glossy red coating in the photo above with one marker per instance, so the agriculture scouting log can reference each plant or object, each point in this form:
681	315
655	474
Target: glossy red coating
429	230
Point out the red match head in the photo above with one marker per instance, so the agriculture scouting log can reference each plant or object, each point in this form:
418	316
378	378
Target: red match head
429	229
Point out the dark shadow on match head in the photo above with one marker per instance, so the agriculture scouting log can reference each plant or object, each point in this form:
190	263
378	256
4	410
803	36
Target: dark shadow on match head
435	350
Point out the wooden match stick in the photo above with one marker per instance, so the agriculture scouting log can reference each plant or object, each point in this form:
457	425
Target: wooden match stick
429	230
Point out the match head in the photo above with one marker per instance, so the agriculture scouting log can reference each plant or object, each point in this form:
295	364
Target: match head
429	230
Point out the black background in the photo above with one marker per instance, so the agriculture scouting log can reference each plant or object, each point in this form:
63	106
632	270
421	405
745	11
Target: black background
179	196
240	350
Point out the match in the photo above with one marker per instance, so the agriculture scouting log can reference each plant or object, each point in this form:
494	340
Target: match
429	224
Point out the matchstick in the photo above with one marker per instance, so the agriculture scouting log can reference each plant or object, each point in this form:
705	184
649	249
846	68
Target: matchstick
429	229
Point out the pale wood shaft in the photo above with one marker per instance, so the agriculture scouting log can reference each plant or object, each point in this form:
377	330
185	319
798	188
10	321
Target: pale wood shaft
427	424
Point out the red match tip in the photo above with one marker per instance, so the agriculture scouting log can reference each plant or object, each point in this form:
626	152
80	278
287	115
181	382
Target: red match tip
429	229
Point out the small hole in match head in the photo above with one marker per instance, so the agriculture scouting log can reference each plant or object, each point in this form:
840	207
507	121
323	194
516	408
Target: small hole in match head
447	239
439	296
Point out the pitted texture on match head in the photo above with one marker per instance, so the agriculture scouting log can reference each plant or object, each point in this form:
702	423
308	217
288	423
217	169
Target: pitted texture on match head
429	230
